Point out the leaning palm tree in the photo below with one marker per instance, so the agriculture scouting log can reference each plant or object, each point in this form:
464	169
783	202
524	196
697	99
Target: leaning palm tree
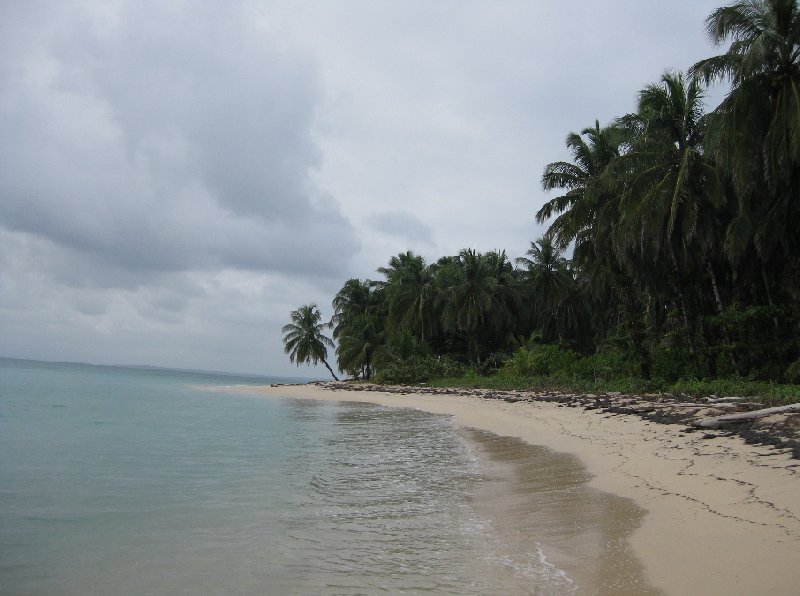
303	339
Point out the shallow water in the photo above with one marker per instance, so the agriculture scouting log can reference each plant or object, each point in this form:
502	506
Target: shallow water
550	521
133	481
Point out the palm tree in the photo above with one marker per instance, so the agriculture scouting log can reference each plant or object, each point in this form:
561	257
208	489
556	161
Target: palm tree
355	298
358	321
755	132
588	215
586	199
358	342
548	281
303	338
755	137
396	265
398	349
409	289
666	192
468	297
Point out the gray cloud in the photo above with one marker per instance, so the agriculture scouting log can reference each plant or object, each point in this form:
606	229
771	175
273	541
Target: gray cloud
168	140
176	177
403	225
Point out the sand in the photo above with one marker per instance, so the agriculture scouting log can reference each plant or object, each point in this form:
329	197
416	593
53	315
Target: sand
723	517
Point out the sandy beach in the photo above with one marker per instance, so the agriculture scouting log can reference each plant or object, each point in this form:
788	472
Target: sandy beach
723	517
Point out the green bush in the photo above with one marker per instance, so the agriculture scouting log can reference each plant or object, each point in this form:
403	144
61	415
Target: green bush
793	372
418	369
762	391
606	364
520	364
539	361
670	363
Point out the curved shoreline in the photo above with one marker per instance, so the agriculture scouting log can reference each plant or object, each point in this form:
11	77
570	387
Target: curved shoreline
723	516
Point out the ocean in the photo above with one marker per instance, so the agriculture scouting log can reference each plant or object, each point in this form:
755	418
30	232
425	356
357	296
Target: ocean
122	480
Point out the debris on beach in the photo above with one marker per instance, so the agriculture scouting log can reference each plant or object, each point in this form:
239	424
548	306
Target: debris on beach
778	427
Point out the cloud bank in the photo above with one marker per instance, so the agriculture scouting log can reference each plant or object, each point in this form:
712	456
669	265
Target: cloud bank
175	176
155	168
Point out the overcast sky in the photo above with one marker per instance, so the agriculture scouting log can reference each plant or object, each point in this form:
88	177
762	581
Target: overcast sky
176	176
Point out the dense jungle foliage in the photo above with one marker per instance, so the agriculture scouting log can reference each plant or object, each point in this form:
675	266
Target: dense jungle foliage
684	233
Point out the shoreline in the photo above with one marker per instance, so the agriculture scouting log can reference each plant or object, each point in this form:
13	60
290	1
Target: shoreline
723	516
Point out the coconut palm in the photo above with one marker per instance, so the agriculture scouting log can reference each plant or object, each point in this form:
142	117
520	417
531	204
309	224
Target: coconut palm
355	297
586	200
588	215
666	193
667	189
755	132
409	289
548	282
303	338
546	271
396	265
358	342
398	349
468	297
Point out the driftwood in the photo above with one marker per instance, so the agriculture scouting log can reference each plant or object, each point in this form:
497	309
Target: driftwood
719	421
688	405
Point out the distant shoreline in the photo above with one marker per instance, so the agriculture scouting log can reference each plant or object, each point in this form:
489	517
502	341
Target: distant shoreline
723	516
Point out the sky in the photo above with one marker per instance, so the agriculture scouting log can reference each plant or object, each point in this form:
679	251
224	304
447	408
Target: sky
176	176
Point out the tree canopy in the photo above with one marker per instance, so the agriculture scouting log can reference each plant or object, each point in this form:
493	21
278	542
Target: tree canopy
672	244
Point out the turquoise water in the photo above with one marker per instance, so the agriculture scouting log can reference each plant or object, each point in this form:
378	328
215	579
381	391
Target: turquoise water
131	481
121	480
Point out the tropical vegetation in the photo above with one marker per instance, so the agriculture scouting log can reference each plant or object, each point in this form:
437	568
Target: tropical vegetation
303	339
672	256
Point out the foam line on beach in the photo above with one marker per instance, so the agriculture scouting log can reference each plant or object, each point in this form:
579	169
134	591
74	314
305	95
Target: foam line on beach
723	516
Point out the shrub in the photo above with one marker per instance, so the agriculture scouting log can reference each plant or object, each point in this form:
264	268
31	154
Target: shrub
539	361
671	363
604	365
793	372
418	369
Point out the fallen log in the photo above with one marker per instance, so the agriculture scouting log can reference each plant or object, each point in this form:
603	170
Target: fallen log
719	421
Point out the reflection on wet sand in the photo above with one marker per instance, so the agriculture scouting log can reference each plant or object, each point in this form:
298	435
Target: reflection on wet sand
541	505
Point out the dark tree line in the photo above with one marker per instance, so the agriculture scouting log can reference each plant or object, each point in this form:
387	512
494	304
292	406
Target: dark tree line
683	226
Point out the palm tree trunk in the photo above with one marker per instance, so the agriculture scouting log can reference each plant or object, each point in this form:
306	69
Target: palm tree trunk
635	332
329	369
720	310
678	289
769	294
421	314
715	287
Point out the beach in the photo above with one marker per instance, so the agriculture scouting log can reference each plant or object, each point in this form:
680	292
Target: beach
722	516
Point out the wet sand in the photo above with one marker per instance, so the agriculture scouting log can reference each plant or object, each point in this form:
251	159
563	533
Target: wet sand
534	493
722	517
